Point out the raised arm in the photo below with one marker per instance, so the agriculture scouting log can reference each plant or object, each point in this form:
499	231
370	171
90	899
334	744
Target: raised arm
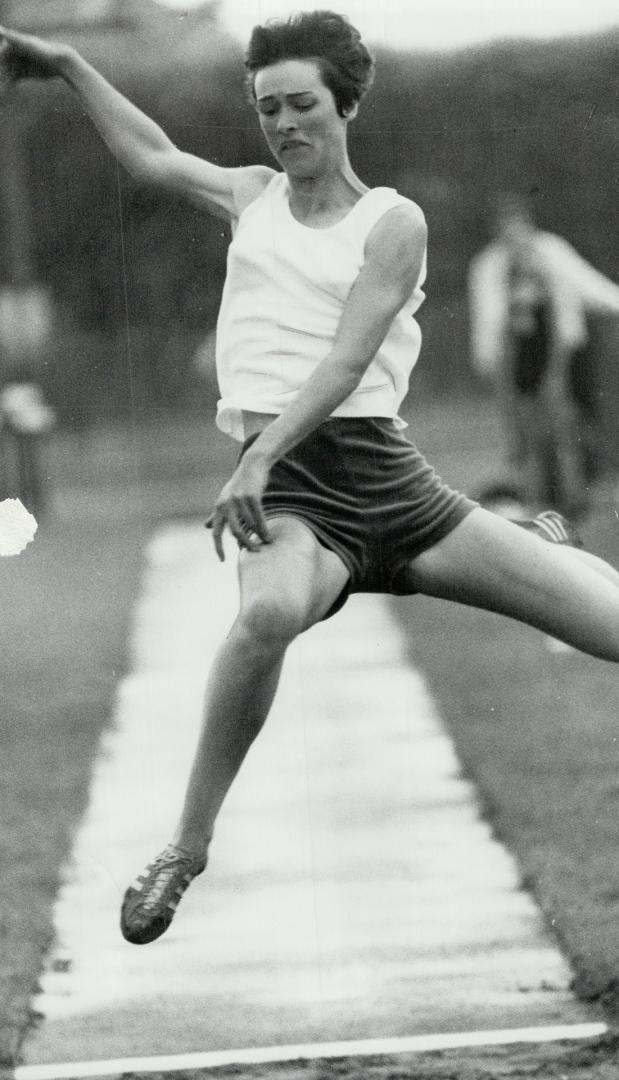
138	143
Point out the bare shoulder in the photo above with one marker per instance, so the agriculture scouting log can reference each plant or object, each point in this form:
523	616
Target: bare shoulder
407	218
400	233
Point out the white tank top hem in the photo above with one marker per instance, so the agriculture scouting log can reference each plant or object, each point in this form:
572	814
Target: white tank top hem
286	286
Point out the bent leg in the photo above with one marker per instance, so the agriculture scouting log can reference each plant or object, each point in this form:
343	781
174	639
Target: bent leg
491	563
286	587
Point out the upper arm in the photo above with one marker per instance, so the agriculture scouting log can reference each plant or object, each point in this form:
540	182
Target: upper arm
224	191
394	262
592	286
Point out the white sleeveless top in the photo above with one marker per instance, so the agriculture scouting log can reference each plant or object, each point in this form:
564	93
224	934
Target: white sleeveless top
285	288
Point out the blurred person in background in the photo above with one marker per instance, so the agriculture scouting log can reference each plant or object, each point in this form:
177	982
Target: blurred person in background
26	416
316	340
530	297
26	419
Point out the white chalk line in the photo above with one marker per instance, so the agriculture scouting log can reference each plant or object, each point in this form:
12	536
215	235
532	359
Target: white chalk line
269	1055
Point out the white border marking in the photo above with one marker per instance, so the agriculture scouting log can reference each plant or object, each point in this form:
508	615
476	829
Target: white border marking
267	1055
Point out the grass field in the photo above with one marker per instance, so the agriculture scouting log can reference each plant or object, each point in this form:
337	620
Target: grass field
536	730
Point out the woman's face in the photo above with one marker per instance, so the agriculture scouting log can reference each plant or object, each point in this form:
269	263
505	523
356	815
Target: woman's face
299	118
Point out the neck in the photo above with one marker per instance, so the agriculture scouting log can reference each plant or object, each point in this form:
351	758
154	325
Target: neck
314	198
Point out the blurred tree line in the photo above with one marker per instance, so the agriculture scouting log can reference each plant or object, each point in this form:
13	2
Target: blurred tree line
136	276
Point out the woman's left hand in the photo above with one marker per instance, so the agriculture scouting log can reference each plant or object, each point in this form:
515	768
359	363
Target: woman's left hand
239	506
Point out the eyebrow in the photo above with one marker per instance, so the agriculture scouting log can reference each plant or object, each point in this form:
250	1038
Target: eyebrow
289	97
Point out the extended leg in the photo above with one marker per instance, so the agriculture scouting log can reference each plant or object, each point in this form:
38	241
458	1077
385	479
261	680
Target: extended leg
555	528
491	563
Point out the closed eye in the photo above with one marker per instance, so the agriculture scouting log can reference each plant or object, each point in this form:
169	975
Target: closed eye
269	107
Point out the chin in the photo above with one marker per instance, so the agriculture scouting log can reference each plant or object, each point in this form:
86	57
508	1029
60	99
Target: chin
298	172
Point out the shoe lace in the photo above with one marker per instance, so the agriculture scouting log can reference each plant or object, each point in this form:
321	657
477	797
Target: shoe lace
163	872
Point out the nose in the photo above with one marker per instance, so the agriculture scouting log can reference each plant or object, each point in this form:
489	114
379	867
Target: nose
286	121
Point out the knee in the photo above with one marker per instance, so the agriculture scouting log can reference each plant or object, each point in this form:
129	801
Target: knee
270	621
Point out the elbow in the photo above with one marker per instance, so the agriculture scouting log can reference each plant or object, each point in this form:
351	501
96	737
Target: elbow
144	170
150	166
351	374
350	379
349	368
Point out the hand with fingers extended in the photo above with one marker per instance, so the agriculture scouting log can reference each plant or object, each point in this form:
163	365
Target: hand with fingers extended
239	507
23	56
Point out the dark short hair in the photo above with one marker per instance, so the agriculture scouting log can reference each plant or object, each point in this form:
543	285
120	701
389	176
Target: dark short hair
346	66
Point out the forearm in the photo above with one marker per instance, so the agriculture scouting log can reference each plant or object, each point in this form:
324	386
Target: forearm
326	389
133	138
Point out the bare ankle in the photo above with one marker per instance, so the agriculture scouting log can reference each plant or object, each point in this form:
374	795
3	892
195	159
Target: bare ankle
191	844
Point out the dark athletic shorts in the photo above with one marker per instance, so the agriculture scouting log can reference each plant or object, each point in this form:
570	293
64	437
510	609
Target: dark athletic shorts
367	494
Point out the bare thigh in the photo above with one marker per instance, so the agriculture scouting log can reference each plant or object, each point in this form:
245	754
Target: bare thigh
295	577
491	563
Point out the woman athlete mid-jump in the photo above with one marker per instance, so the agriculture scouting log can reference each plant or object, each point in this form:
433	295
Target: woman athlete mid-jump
316	340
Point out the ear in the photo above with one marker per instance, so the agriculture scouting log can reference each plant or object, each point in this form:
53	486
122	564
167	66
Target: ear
352	112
